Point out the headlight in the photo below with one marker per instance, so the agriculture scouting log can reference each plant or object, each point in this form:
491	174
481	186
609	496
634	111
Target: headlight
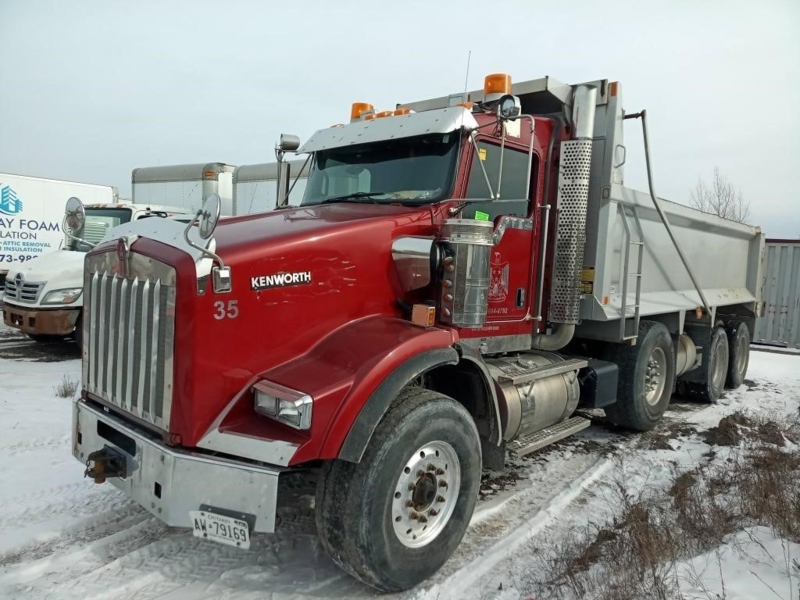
65	296
283	404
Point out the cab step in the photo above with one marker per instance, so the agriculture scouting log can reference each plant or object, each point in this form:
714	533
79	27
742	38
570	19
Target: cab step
549	435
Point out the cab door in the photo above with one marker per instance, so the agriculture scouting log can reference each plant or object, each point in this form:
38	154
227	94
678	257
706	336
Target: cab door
511	258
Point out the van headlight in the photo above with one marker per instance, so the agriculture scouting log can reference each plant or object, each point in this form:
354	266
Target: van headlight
283	404
65	296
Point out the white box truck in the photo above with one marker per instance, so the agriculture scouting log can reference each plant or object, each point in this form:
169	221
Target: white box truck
31	210
255	187
184	185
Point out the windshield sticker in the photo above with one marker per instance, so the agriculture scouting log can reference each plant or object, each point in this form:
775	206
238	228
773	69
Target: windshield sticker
266	282
482	153
481	216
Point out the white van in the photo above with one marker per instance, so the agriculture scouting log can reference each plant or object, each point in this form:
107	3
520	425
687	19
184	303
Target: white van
31	210
44	296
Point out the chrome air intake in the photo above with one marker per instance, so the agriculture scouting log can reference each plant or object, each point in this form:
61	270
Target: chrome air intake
128	333
464	297
572	204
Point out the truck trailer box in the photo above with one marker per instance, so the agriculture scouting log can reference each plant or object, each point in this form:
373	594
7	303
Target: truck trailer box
31	210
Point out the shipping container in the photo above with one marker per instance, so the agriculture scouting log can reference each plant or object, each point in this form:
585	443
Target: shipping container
780	325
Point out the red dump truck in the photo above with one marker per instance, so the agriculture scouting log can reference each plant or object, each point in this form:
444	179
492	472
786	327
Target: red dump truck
463	274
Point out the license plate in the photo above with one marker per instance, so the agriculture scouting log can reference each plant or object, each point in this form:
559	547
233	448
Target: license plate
219	528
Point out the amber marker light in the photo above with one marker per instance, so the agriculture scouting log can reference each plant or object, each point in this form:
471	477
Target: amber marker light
358	109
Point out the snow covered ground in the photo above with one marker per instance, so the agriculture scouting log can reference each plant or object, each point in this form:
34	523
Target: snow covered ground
63	537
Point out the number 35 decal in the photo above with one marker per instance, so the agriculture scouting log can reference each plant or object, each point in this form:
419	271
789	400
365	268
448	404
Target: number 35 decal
223	310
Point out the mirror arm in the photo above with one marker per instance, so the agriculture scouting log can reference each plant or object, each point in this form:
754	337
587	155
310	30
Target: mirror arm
204	251
285	199
72	237
473	135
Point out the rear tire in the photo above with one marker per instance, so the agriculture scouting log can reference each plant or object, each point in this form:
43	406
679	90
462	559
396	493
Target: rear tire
426	453
738	353
646	378
714	370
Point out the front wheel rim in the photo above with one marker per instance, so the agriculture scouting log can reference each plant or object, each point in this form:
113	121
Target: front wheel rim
426	494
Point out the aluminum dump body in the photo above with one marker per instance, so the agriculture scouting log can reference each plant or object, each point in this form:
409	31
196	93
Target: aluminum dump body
725	257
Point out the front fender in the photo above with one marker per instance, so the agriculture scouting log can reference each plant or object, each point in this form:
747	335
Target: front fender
366	360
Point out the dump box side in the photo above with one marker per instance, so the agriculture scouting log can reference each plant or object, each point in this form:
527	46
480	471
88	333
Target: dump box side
725	257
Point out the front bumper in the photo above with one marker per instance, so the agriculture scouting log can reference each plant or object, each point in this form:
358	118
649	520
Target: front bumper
41	321
169	482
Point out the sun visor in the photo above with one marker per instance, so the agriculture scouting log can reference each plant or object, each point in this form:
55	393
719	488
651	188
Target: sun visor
395	127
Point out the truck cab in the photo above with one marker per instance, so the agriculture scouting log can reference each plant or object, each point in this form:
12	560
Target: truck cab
462	274
44	296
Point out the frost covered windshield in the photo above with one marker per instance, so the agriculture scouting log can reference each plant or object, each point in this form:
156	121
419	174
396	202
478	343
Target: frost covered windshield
412	170
98	222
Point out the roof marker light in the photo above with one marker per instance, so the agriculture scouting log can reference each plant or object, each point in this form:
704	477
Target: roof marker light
384	113
402	111
359	109
495	86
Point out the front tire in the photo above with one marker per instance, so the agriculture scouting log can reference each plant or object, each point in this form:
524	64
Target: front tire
393	519
646	378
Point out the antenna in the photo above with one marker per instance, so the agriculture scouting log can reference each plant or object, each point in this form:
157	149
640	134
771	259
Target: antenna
466	77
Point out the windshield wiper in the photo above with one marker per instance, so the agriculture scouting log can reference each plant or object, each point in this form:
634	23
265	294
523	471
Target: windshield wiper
355	197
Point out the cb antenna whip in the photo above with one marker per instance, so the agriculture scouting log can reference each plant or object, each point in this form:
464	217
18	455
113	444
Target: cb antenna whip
466	78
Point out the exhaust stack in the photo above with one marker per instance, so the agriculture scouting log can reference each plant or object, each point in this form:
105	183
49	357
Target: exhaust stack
573	197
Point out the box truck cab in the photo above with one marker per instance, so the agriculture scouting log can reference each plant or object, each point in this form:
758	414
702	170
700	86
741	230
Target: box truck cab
43	296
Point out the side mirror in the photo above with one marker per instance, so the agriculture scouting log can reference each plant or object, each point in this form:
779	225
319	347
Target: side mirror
288	143
209	215
509	107
74	215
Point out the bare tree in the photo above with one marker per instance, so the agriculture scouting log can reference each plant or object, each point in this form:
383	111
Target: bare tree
720	198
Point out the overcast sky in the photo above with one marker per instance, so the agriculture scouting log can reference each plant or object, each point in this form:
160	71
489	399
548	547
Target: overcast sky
91	89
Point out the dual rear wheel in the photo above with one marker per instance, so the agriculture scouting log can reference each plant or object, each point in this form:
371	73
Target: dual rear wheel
647	372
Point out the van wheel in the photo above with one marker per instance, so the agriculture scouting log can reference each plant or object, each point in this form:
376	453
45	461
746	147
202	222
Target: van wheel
714	370
45	339
646	378
78	333
738	353
393	519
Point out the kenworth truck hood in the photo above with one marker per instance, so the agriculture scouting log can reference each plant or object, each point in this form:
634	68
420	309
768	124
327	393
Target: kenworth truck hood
58	270
334	266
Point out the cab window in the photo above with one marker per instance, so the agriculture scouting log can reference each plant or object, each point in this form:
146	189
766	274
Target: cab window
512	189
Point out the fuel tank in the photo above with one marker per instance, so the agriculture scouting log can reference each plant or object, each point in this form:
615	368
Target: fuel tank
531	397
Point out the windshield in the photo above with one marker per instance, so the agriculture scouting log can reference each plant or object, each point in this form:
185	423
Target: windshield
98	222
416	170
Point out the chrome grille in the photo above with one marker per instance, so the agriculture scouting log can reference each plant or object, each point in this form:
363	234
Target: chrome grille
129	329
25	292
